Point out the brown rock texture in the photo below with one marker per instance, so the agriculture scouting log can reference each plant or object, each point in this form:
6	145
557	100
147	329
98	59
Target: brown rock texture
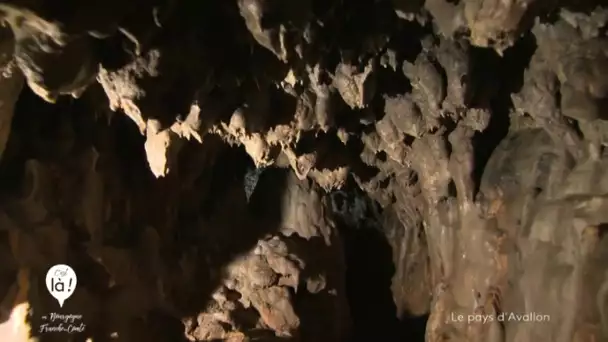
305	170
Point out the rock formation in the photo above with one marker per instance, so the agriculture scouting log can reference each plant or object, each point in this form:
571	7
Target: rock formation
312	170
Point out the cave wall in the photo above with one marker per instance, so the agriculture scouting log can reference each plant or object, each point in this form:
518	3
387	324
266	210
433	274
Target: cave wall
221	170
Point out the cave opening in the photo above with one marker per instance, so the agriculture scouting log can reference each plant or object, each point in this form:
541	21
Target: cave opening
370	270
496	78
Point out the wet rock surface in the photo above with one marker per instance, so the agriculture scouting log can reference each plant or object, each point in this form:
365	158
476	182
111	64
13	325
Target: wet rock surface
260	170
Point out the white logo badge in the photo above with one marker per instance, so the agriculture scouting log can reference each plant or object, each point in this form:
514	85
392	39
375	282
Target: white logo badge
61	282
